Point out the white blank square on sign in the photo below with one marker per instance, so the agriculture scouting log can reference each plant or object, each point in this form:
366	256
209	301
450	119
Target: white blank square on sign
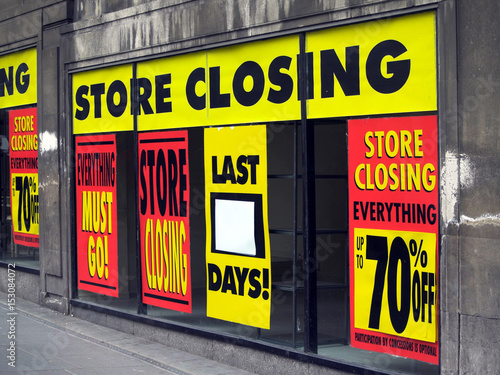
235	227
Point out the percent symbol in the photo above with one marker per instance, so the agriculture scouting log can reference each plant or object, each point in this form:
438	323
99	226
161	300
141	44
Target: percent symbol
414	251
32	183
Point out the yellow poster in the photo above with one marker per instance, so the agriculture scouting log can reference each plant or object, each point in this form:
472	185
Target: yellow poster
377	67
25	204
102	100
172	92
382	66
23	155
18	78
251	82
254	82
237	248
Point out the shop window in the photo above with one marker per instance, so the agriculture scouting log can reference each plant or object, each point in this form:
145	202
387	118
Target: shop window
124	271
330	164
286	234
285	228
12	249
315	292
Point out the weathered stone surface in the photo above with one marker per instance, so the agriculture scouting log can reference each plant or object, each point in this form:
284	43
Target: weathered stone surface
174	25
479	117
479	277
479	342
450	342
27	285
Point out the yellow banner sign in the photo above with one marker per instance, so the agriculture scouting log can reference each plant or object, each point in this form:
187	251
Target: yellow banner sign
378	67
238	250
172	92
252	82
18	78
383	66
102	100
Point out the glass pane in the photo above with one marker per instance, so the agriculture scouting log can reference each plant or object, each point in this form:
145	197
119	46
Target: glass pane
332	316
282	253
281	203
330	148
331	204
331	258
286	328
280	149
126	229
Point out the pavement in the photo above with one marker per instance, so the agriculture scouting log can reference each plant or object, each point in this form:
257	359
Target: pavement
40	341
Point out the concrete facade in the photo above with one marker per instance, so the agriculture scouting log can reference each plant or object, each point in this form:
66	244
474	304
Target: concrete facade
82	34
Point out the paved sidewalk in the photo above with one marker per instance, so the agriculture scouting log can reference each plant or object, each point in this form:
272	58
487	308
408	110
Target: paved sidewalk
47	342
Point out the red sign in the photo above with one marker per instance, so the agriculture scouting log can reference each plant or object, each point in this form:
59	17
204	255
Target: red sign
96	214
164	220
23	150
393	221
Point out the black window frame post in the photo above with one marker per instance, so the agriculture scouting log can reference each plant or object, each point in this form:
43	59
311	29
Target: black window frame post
309	199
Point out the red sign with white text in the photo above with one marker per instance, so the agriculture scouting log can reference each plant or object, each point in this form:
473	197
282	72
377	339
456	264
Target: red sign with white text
96	214
393	221
23	151
164	220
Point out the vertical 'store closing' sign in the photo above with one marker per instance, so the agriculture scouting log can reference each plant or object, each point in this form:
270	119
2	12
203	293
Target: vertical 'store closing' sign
164	219
97	238
393	220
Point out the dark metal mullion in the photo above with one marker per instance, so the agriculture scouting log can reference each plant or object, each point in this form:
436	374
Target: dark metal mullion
332	176
331	231
346	249
3	208
73	287
281	176
141	307
295	229
309	202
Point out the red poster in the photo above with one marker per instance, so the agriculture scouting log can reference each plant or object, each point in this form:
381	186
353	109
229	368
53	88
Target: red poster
23	151
393	221
96	214
164	220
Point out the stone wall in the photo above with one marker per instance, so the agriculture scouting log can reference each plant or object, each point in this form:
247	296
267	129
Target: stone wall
479	190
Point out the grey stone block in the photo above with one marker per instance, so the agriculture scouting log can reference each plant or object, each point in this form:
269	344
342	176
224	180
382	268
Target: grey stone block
479	265
450	342
119	324
150	332
17	29
192	344
269	364
27	285
88	315
479	343
54	302
49	99
319	370
449	274
57	13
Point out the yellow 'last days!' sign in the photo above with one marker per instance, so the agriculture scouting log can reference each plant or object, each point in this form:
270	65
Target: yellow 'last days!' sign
238	251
